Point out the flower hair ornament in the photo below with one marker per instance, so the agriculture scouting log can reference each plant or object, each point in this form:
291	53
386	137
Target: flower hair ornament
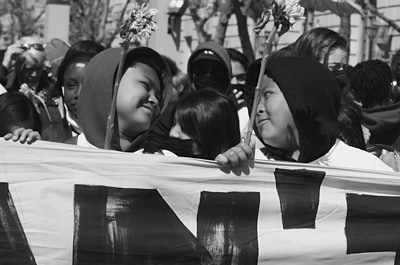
140	24
284	13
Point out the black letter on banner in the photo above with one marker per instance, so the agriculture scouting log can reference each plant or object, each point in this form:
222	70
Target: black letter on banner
227	226
14	247
372	224
298	192
130	226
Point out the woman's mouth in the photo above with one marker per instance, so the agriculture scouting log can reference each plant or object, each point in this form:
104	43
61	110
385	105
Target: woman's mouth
261	120
149	107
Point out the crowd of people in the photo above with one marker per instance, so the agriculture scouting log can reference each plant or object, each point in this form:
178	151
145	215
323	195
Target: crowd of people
314	107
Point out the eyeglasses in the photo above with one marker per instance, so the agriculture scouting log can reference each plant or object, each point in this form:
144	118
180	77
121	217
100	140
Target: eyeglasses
36	46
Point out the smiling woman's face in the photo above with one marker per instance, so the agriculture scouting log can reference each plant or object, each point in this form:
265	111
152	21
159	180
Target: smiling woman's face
274	120
138	99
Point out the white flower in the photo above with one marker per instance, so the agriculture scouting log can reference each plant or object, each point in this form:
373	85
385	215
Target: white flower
284	13
292	10
140	22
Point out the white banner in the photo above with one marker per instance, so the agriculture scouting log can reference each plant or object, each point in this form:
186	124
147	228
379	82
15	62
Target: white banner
63	204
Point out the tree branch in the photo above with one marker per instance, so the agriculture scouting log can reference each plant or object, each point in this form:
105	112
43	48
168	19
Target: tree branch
200	15
243	31
226	10
119	24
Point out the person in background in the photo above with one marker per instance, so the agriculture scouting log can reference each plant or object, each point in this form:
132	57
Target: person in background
205	124
329	48
69	82
324	45
209	66
371	82
22	70
25	60
239	63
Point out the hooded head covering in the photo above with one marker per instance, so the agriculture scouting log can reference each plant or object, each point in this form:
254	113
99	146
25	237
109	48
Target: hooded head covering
313	97
96	95
212	51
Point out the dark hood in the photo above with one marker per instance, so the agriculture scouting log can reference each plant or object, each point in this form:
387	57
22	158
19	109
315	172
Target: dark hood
313	96
96	95
383	123
220	51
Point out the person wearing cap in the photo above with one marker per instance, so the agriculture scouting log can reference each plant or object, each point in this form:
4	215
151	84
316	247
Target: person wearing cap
143	94
209	66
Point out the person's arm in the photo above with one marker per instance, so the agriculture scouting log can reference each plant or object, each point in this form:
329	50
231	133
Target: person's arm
10	56
9	59
23	135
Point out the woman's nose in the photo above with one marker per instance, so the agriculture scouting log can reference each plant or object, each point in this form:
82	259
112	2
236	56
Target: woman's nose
78	91
260	106
153	99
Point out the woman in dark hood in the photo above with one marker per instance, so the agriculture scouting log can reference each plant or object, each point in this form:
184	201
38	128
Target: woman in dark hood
143	94
297	117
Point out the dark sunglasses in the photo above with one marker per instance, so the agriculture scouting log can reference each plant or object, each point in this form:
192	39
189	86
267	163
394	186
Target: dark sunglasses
36	46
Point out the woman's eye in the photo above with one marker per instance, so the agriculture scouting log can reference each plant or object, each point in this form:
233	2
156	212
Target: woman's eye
335	66
267	93
70	86
146	86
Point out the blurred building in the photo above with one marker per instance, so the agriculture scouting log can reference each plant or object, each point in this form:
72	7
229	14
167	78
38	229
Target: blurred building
376	40
9	27
386	40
